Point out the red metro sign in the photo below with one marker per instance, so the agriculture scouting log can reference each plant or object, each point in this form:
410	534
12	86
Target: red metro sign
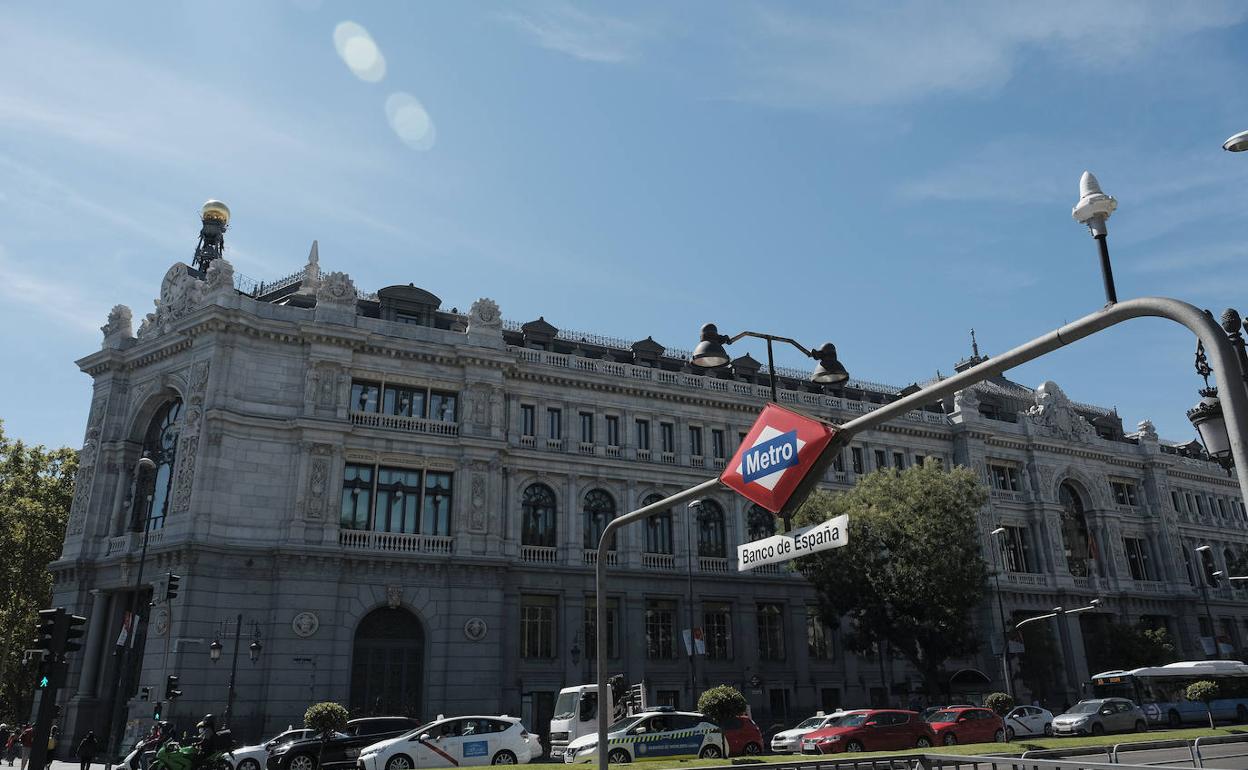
775	456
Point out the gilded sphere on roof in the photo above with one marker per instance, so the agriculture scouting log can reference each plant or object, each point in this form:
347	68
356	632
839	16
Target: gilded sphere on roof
215	209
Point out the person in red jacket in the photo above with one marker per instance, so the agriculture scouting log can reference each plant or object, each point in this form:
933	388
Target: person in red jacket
27	738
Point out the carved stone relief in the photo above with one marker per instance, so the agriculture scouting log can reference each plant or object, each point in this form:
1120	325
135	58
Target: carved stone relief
86	469
220	275
484	315
394	596
326	384
336	289
188	442
1055	415
118	327
180	293
318	481
478	499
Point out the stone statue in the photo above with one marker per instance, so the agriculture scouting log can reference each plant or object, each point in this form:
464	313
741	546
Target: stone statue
1055	412
336	289
483	315
119	325
220	275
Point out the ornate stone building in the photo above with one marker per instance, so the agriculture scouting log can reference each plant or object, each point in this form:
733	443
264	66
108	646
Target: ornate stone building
399	502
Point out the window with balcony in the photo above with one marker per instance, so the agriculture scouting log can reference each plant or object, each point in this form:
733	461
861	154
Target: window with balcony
658	528
528	420
695	440
404	401
856	455
770	631
554	423
613	430
643	435
760	522
667	434
1016	550
1137	558
660	625
537	626
400	500
717	444
365	396
717	626
587	428
819	639
1124	492
711	535
591	628
598	511
1004	477
537	511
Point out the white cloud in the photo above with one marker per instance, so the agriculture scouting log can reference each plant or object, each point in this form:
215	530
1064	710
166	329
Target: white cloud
872	54
563	27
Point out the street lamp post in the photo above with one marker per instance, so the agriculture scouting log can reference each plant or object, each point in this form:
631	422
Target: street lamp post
710	354
693	649
1237	143
253	651
997	535
1203	579
116	723
1060	613
1094	209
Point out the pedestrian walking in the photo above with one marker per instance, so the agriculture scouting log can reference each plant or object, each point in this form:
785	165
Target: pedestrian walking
11	746
87	749
26	738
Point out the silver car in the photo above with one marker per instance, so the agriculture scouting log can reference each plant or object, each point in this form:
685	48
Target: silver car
1100	716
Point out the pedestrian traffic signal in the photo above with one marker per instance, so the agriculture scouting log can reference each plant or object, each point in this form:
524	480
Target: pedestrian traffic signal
45	629
171	688
157	710
73	632
171	586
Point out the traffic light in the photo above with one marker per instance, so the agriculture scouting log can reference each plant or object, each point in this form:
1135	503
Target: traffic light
157	710
145	693
73	632
171	586
45	630
171	688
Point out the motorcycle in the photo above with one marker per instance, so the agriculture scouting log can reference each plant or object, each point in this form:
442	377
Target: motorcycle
134	760
174	756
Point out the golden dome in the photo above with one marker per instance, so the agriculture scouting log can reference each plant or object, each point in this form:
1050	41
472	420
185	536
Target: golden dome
215	209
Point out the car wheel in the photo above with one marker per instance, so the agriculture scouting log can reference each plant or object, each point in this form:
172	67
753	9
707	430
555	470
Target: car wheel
302	762
249	764
503	758
1173	719
752	749
854	746
1141	726
998	736
1048	729
949	739
399	762
1098	728
1009	734
924	742
710	752
619	757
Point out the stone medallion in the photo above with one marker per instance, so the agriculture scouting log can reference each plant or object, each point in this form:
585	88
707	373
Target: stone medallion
475	629
305	624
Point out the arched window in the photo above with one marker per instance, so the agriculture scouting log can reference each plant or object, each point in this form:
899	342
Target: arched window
160	443
711	536
1074	530
387	665
538	512
599	510
760	522
658	528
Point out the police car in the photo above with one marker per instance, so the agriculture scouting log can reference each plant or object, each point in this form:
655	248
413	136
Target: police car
655	734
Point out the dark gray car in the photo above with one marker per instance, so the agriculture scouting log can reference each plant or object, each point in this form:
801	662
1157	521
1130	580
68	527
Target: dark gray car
1100	716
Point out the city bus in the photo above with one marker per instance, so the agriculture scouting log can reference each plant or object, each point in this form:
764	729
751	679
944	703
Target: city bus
1159	691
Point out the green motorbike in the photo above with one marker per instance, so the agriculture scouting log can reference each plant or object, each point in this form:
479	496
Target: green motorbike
173	756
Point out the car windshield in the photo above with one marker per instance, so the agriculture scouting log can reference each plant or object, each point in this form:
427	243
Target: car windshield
809	723
565	706
621	724
943	716
1087	707
852	720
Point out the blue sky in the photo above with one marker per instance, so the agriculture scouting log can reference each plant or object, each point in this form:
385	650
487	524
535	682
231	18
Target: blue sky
884	176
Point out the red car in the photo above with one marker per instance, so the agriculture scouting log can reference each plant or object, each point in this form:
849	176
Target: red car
967	725
872	730
742	736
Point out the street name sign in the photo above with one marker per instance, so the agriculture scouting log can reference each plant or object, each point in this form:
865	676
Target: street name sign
832	533
775	456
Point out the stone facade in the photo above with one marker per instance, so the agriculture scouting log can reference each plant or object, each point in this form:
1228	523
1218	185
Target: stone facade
275	414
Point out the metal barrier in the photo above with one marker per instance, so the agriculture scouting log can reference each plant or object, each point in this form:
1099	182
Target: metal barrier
1185	747
918	761
1199	757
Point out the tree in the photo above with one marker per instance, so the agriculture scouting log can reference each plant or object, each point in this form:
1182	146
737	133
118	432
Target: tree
325	718
1124	646
999	702
912	573
721	703
36	490
1204	692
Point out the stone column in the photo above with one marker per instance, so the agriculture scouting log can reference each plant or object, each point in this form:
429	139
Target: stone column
87	686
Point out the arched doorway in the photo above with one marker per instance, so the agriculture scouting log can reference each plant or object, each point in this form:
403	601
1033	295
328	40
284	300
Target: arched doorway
1074	530
387	665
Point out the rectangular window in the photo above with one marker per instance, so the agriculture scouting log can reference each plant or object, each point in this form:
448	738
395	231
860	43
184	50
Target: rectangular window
899	461
1004	477
717	444
407	318
717	627
537	626
587	428
818	636
554	423
399	500
881	460
643	434
918	460
695	441
591	628
1137	558
365	396
1016	551
668	698
442	406
1124	492
528	420
770	631
838	461
613	430
1221	508
405	402
1177	501
778	699
1200	505
667	434
660	620
856	455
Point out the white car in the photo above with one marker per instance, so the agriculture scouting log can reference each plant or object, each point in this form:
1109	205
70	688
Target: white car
790	741
664	734
1027	721
255	757
452	742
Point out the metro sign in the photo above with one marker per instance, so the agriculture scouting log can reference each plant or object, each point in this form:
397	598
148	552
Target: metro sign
775	456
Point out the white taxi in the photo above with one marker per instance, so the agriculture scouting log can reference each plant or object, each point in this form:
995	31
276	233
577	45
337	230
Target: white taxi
790	741
653	735
454	742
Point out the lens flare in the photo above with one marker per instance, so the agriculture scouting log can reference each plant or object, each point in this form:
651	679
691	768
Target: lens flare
410	121
359	52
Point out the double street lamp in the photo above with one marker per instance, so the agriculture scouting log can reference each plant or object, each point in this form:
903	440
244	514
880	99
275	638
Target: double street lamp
1060	613
1204	575
253	651
710	353
997	535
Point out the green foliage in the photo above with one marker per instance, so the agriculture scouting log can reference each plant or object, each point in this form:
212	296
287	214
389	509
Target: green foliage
36	490
1202	691
1122	646
1040	666
912	574
999	702
722	703
325	717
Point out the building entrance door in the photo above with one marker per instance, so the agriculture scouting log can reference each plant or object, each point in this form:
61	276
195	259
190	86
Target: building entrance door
387	665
